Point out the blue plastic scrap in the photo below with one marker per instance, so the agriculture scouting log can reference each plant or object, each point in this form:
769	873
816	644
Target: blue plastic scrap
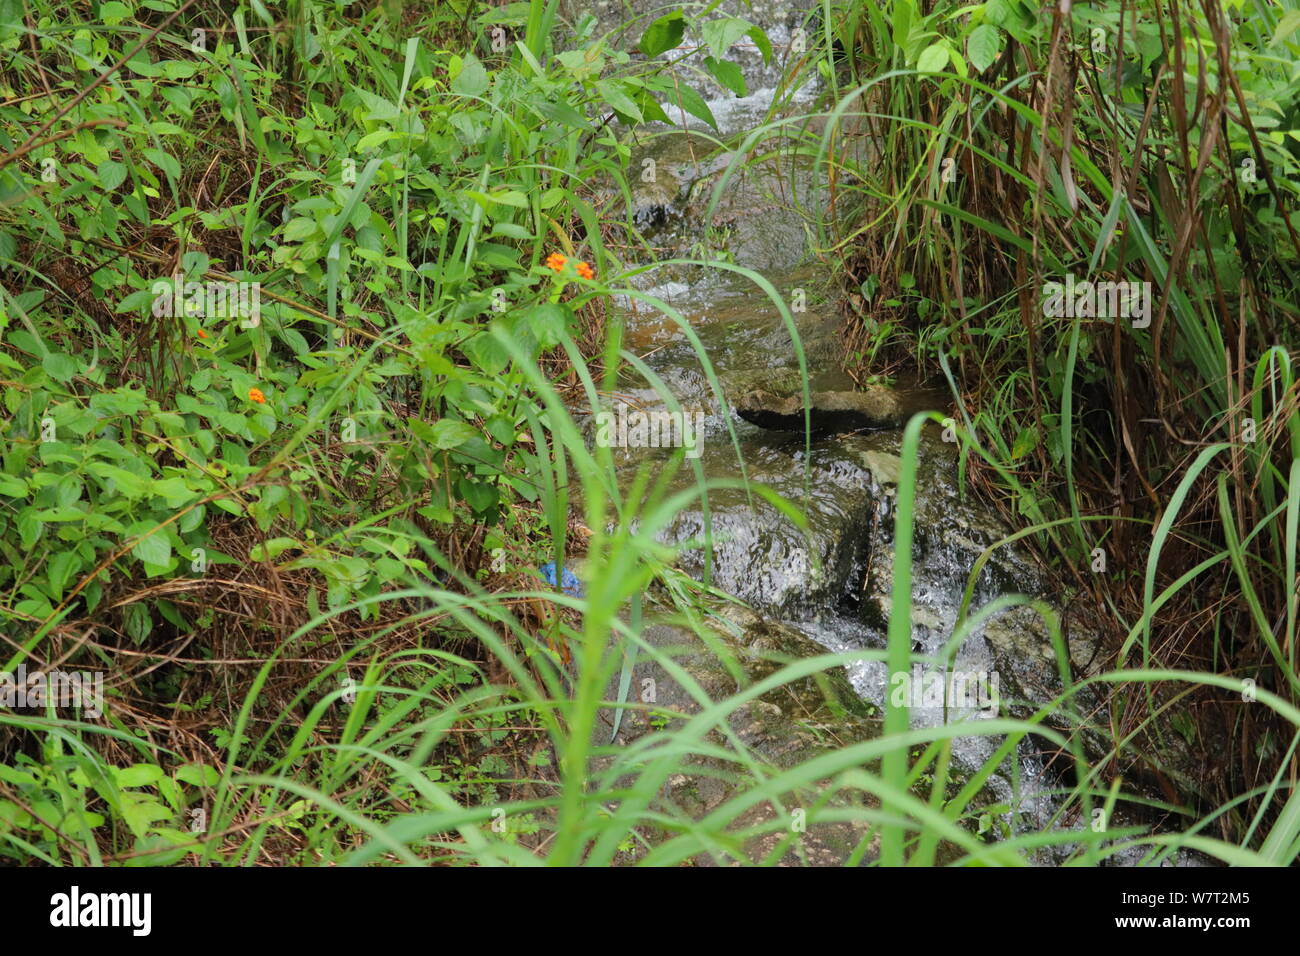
569	582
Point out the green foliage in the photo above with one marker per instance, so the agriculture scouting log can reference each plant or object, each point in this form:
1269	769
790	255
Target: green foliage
1092	144
324	511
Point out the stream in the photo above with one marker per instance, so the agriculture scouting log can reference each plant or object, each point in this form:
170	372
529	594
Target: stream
828	587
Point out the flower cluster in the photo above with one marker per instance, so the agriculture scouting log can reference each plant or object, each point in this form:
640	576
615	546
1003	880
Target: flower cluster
558	261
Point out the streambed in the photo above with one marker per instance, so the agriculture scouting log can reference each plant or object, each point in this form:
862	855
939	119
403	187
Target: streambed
829	585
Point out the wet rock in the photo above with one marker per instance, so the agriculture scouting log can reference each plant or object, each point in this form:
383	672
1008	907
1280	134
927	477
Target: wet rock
758	552
747	344
951	532
831	412
655	200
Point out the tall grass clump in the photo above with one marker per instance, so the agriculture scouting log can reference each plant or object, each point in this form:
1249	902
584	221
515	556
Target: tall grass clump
980	155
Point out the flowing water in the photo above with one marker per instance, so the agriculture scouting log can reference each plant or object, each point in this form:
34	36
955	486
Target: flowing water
833	580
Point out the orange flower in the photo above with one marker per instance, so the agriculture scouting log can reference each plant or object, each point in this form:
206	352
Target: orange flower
585	271
556	261
202	334
255	395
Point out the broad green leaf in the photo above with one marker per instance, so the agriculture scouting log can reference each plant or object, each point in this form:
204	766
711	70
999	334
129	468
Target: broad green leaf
510	197
174	491
127	483
111	174
139	810
381	110
727	73
198	775
59	367
983	46
138	775
548	323
478	495
164	161
29	528
693	103
472	80
154	548
449	433
663	34
616	97
300	228
1025	442
933	59
487	353
60	569
721	35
